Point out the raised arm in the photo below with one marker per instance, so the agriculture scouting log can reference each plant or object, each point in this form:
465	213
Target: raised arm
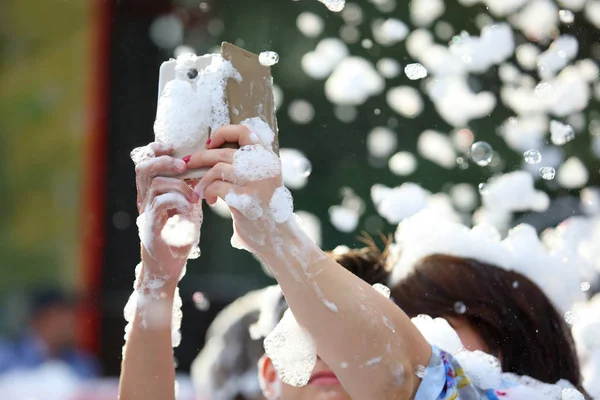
148	371
370	344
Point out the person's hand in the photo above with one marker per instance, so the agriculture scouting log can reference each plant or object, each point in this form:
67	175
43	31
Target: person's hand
160	196
249	180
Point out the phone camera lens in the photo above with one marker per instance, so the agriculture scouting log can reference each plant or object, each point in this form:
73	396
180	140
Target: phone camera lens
192	73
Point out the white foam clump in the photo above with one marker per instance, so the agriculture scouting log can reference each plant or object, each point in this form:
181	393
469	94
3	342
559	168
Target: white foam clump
191	105
572	174
464	196
255	162
427	233
575	240
353	81
405	100
334	5
390	31
590	200
438	333
525	132
301	111
177	202
537	20
527	54
455	102
310	24
295	168
560	133
396	204
179	232
260	131
566	94
573	5
514	192
424	12
321	62
344	219
292	351
381	142
245	204
437	147
592	12
495	45
383	290
402	163
268	58
586	334
140	154
558	56
415	71
281	205
388	68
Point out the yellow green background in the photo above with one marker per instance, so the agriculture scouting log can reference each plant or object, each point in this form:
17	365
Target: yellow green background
45	50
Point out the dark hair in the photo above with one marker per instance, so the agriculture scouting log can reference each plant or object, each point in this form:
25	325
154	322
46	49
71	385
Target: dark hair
515	318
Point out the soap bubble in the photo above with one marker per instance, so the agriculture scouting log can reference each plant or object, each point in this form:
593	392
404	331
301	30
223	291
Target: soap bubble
547	173
482	188
460	307
201	301
268	58
585	286
204	6
415	71
532	156
481	153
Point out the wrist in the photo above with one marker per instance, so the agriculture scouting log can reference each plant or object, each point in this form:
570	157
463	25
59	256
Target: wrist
153	270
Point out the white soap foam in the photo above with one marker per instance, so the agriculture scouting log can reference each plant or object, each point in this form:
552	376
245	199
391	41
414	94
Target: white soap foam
292	351
514	192
245	204
254	163
437	147
194	102
520	251
261	129
282	205
353	81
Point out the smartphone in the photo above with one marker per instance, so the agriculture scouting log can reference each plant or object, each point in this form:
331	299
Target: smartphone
250	97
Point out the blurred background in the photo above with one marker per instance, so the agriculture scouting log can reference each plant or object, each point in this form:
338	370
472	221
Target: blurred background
78	91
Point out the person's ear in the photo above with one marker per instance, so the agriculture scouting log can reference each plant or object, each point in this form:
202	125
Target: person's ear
267	376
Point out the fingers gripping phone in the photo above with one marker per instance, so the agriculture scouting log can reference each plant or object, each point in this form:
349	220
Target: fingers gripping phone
252	96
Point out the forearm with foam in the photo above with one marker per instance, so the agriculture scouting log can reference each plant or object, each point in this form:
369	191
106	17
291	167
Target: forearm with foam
358	332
